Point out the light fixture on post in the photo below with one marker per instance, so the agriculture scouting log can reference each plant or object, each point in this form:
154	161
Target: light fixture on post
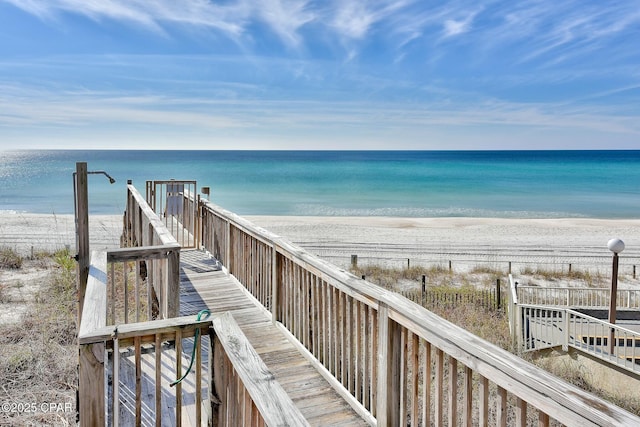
616	246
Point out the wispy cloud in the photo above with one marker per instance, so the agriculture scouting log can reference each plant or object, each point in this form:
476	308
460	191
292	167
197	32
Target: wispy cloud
531	29
286	17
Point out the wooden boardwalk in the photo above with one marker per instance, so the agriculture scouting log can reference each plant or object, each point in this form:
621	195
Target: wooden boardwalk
203	284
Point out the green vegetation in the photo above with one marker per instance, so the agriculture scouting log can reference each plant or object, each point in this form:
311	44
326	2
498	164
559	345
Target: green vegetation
435	276
551	275
451	295
473	316
10	259
38	355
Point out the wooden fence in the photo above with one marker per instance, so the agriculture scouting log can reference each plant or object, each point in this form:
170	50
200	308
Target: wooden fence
395	362
488	299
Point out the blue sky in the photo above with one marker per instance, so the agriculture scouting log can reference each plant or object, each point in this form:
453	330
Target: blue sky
296	74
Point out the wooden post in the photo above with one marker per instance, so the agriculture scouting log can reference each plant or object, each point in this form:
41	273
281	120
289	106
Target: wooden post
450	267
509	267
389	355
82	232
408	263
216	379
354	261
498	293
229	247
172	293
275	282
634	271
569	268
424	288
91	384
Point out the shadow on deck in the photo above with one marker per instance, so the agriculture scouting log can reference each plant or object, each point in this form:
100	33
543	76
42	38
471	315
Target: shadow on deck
204	285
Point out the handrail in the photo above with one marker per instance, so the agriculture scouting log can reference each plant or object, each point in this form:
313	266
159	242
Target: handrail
377	344
549	326
577	297
243	372
146	232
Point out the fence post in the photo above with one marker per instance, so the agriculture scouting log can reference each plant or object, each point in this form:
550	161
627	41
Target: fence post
449	265
408	264
424	288
354	261
498	294
389	354
509	267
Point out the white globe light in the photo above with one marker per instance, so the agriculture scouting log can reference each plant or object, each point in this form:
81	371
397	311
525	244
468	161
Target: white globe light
615	245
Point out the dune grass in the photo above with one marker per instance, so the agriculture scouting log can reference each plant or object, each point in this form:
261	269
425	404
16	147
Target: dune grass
38	354
491	325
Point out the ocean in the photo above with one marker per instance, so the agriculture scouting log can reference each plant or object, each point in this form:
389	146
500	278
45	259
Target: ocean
512	184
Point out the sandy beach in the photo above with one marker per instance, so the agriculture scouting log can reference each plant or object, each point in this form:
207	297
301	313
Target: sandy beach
460	240
465	242
49	232
380	239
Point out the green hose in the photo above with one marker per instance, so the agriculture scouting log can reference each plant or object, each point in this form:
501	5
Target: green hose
193	352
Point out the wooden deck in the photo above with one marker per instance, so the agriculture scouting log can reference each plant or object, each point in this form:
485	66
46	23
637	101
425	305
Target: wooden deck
203	284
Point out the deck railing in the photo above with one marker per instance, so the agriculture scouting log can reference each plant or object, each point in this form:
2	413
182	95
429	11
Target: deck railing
141	282
234	380
578	297
394	362
245	392
548	327
175	203
155	252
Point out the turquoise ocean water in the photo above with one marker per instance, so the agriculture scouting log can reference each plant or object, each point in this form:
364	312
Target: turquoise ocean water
515	184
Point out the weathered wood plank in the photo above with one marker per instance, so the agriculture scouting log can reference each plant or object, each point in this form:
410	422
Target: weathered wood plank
272	401
188	324
91	384
94	309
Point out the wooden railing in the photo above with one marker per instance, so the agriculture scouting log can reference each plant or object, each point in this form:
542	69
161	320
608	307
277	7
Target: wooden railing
175	203
578	297
548	327
137	283
234	379
245	392
156	252
395	362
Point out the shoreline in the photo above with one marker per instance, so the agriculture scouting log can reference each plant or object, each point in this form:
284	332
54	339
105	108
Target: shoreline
383	237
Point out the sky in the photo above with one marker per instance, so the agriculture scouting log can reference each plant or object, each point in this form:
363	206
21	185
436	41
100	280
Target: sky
329	74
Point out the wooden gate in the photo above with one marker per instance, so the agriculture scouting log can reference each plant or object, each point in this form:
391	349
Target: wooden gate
175	202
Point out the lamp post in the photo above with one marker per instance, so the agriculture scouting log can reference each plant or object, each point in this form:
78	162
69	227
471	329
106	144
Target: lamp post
616	246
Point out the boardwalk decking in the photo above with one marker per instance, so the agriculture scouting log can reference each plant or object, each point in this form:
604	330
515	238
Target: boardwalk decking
203	284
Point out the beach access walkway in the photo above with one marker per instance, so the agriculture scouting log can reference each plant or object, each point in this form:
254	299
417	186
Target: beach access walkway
204	285
290	339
